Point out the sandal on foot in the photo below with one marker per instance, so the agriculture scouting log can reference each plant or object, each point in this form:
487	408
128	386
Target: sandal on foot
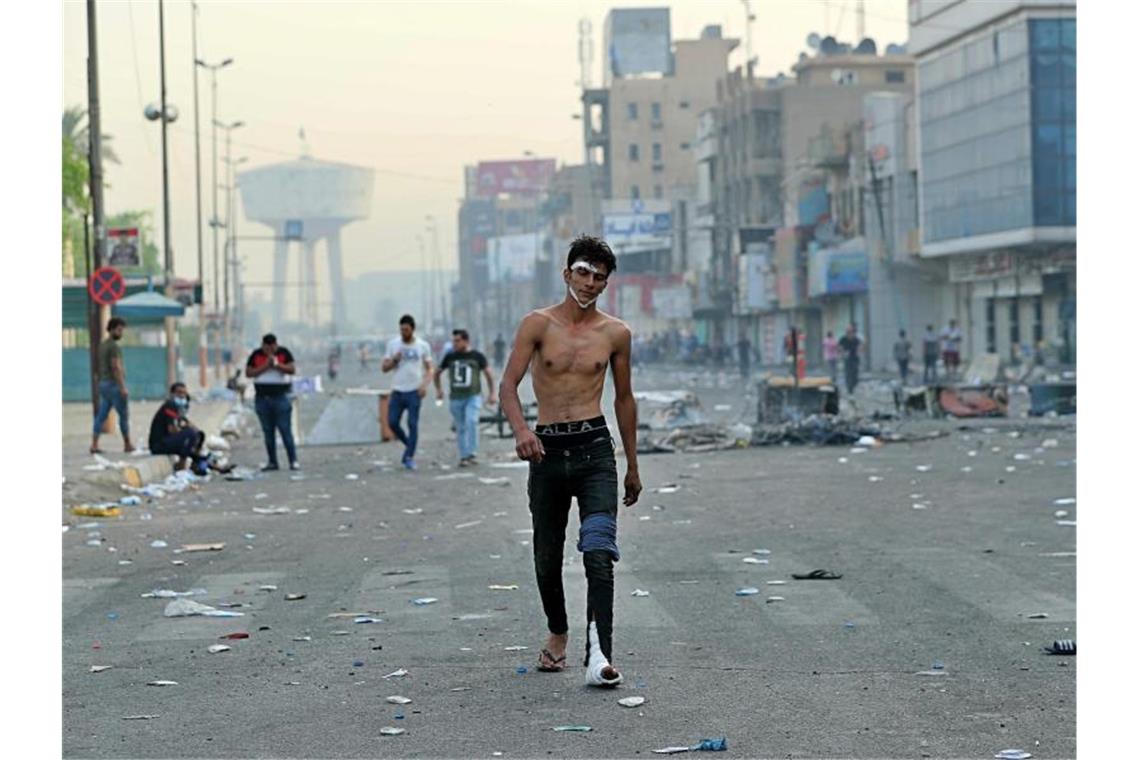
1062	646
558	664
817	575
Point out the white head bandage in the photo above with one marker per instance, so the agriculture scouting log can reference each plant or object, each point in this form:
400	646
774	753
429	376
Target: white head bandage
582	267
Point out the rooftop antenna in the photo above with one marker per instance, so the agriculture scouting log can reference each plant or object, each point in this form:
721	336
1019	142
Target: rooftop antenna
585	52
749	17
305	151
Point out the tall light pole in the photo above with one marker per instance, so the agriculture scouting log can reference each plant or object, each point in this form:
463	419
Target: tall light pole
97	314
229	128
203	346
230	252
213	68
168	258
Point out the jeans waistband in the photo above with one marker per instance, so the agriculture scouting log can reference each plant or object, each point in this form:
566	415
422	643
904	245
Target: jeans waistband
596	443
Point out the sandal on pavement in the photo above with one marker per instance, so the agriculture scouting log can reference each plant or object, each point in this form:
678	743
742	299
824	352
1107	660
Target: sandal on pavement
817	575
557	664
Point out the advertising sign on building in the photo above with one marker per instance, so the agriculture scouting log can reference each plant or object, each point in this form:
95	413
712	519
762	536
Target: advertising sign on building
838	270
638	41
522	176
511	258
756	285
123	247
634	231
982	266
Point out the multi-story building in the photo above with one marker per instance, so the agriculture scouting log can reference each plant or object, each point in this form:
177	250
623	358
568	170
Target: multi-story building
791	173
997	145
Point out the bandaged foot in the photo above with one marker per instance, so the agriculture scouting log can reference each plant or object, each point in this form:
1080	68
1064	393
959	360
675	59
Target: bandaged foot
599	672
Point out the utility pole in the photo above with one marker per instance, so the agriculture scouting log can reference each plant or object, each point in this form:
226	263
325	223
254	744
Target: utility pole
203	345
97	315
168	258
748	38
214	192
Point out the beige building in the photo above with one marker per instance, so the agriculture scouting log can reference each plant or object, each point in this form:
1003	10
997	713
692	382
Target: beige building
649	121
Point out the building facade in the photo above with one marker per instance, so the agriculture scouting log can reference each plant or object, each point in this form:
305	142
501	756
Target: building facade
996	112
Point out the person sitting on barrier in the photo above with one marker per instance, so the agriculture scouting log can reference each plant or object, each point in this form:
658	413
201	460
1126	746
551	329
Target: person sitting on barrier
171	432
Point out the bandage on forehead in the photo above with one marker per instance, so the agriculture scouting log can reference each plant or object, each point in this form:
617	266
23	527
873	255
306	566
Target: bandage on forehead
585	266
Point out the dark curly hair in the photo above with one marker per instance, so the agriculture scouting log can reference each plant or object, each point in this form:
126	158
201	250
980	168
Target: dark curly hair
592	250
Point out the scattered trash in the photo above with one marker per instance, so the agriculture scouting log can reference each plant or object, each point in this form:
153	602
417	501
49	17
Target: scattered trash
130	501
495	481
272	510
817	575
1065	502
100	668
235	635
639	592
162	683
267	587
215	547
631	701
217	648
164	593
302	638
923	467
874	478
139	717
747	591
1060	646
501	587
1013	754
190	608
415	511
917	505
390	731
454	476
931	673
365	619
352	476
471	524
754	561
577	729
1060	513
704	745
1038	615
516	648
294	597
771	599
762	551
521	670
1067	523
424	600
670	488
397	673
398	700
777	583
94	510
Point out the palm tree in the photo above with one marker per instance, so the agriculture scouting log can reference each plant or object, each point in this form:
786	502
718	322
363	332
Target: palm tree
75	130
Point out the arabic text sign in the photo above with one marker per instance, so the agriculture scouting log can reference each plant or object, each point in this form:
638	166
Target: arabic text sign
633	232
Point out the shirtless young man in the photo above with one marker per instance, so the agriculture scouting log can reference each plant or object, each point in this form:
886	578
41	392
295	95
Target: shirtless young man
567	347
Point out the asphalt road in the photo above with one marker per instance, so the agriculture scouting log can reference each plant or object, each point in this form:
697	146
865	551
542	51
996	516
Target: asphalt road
828	671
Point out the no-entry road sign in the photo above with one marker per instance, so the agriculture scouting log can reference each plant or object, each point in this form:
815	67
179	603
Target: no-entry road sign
106	286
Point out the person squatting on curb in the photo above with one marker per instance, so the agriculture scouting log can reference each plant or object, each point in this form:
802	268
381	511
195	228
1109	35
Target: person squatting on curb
567	347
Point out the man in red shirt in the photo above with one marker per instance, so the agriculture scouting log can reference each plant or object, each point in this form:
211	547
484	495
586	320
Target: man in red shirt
271	367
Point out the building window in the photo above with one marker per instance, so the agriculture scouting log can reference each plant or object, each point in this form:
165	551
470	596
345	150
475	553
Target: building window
1014	324
684	104
657	192
634	154
991	325
895	76
655	111
631	110
1038	327
1052	75
634	192
685	146
656	152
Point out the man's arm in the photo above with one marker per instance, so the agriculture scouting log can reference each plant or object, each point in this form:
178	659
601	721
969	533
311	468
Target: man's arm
527	445
118	373
437	375
289	367
389	362
625	407
490	384
252	371
428	372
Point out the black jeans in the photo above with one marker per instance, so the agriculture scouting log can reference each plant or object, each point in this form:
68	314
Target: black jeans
904	369
851	370
589	473
930	369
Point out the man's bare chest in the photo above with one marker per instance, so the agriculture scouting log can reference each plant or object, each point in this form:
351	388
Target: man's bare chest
567	352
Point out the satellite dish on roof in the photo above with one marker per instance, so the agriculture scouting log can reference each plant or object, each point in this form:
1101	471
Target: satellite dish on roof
844	48
828	45
895	49
866	47
813	41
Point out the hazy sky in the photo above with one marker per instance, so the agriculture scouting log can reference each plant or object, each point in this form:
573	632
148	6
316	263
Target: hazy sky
414	90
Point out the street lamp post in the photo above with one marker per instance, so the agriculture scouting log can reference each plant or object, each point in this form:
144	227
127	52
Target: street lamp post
213	68
229	256
203	345
229	128
168	258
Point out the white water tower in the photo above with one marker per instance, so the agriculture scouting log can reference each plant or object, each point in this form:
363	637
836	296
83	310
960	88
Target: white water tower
318	197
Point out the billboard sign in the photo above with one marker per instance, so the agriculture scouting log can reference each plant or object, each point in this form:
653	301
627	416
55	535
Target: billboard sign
522	176
123	247
756	283
639	41
631	232
838	271
511	258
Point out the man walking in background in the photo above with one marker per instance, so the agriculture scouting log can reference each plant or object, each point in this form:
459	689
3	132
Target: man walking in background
271	367
902	355
410	357
929	356
831	356
850	345
463	366
112	386
951	347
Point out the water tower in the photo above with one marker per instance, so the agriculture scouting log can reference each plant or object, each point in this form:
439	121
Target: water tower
306	201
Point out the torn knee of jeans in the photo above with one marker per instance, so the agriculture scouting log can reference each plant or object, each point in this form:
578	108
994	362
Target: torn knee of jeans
599	533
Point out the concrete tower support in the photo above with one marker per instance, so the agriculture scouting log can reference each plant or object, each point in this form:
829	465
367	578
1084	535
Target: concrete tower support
280	262
336	281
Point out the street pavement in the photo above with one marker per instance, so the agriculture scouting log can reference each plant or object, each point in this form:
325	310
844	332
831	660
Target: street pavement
831	670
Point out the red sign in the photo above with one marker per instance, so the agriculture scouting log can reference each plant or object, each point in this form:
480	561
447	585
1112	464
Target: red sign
524	176
106	286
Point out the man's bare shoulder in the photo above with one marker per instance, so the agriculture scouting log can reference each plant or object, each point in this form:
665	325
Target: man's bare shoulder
614	327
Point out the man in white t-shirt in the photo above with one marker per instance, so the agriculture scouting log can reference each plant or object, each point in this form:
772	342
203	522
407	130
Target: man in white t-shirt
410	357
